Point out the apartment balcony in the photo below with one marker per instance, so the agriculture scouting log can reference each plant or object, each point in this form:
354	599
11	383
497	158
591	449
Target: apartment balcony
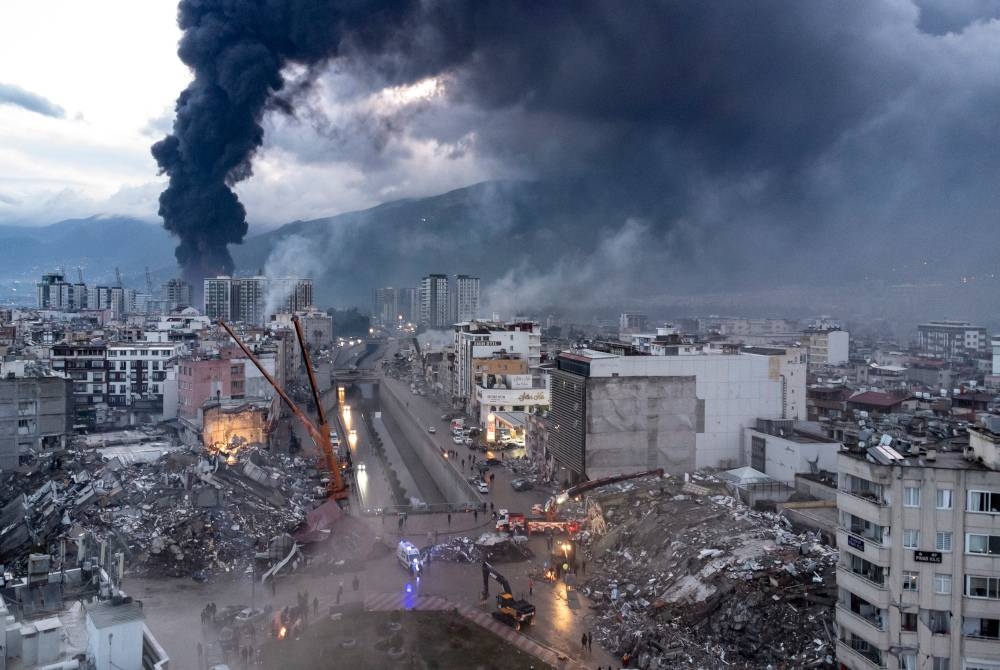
980	647
869	627
863	545
855	659
863	587
864	506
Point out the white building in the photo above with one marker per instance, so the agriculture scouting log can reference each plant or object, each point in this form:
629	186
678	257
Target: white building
464	294
827	347
782	449
434	303
919	571
614	414
951	339
483	339
138	370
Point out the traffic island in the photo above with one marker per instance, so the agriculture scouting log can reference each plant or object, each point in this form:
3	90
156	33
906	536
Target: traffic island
428	640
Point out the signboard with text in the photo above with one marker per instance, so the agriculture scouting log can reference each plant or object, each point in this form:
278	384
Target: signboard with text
927	556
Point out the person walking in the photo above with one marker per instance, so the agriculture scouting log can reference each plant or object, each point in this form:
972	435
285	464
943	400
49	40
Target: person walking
201	651
340	591
583	566
531	586
590	642
583	641
356	583
449	518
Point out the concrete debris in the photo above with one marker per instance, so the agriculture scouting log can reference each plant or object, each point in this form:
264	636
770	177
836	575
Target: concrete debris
494	547
686	577
173	512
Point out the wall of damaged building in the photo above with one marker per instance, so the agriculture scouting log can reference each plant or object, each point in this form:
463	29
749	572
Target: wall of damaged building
640	423
221	426
35	414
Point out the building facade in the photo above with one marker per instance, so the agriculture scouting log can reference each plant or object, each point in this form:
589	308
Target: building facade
625	413
35	416
434	304
86	366
202	379
488	339
175	294
951	339
464	295
919	573
385	306
138	370
827	347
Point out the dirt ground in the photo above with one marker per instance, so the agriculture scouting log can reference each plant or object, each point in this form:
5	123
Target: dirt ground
411	640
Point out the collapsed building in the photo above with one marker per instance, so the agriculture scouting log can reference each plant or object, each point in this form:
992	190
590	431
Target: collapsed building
682	575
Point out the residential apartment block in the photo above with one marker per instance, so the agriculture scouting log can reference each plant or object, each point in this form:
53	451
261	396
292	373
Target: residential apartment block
919	571
951	339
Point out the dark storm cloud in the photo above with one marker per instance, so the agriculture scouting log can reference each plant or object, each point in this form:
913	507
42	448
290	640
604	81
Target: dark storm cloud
738	135
17	96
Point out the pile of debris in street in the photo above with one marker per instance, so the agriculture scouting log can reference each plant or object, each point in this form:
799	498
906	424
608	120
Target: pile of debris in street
170	511
493	547
684	576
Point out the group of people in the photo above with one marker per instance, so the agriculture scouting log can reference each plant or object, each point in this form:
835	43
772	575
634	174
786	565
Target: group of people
208	614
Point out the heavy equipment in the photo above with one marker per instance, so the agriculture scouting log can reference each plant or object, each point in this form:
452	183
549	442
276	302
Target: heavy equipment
553	503
510	610
336	489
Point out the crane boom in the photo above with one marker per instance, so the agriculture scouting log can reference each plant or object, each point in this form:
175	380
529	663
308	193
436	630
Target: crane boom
321	437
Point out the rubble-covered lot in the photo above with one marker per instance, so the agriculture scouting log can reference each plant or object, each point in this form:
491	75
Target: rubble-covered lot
172	512
682	576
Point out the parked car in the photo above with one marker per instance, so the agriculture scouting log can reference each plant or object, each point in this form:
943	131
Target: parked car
432	429
483	487
521	484
456	439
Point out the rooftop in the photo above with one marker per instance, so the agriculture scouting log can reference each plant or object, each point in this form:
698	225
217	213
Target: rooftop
106	614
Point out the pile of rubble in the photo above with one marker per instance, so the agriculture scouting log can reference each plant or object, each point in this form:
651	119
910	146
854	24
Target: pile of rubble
172	512
683	576
493	547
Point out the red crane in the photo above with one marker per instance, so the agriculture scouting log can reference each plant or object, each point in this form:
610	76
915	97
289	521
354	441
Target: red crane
320	435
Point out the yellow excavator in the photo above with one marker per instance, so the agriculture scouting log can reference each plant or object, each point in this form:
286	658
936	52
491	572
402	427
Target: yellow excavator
510	610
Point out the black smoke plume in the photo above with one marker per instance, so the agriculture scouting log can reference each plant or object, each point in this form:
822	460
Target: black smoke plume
237	51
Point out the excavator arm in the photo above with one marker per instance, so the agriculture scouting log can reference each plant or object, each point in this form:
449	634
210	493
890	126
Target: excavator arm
321	435
490	571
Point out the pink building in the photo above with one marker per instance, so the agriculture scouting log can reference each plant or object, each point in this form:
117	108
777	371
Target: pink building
201	379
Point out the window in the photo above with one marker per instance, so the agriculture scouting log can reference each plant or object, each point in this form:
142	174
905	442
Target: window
908	661
976	627
984	501
939	621
911	496
982	544
911	539
908	622
910	580
982	587
942	584
944	499
943	541
941	663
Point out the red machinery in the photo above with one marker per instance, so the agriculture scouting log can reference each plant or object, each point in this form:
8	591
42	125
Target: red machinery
320	435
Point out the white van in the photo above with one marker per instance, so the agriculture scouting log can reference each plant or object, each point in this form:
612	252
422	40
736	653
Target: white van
409	557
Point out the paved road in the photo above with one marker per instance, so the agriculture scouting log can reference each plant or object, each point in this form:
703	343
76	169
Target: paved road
172	606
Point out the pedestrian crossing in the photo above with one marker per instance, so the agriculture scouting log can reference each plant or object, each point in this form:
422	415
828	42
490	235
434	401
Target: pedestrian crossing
387	602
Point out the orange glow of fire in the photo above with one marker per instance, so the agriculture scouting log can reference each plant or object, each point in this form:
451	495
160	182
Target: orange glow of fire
282	633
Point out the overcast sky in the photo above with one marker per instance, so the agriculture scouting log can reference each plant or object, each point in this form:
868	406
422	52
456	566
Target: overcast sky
848	125
87	87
